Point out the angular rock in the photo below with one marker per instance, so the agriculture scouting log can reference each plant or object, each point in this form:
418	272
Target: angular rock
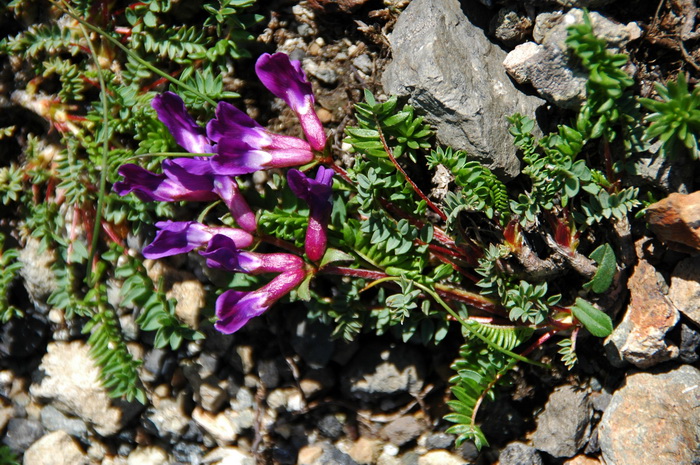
452	73
312	341
440	457
54	420
653	418
228	456
676	220
510	26
323	453
582	460
169	416
564	426
548	65
147	455
439	441
640	338
220	426
39	279
22	338
517	453
690	341
402	430
365	451
56	448
684	291
330	426
69	378
21	433
377	371
191	298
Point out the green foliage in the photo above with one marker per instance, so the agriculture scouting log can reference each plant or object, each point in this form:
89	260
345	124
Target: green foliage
607	268
606	85
45	191
675	120
7	457
9	268
592	318
481	189
567	350
477	371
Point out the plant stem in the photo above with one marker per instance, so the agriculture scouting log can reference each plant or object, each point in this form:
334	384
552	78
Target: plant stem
72	13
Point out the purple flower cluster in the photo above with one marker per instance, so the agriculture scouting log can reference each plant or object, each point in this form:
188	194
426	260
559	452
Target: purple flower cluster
233	144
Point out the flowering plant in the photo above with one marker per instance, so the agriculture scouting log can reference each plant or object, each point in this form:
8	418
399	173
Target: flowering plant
231	145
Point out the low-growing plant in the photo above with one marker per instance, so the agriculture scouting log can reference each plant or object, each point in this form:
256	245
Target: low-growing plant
363	245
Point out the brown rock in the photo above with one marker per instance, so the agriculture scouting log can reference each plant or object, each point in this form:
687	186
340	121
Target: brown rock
676	220
582	460
640	337
654	418
309	454
365	451
684	291
402	430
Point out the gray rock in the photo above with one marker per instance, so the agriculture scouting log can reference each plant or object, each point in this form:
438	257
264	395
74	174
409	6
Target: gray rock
312	341
169	416
324	453
39	279
56	448
269	373
54	420
548	65
402	430
153	365
510	26
690	341
21	433
330	426
69	378
22	338
450	71
377	371
653	418
439	441
564	426
667	175
517	453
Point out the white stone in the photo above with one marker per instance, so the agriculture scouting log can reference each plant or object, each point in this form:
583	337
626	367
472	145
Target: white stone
70	381
56	448
228	456
148	455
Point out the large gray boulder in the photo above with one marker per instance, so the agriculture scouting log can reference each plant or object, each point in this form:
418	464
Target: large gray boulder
451	72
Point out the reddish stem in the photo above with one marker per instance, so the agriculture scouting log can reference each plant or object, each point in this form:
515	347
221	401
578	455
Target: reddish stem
417	190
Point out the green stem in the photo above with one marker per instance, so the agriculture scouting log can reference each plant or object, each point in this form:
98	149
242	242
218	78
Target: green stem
456	316
72	13
103	165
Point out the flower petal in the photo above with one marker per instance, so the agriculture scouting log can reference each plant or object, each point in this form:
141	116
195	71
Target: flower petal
287	80
185	130
163	187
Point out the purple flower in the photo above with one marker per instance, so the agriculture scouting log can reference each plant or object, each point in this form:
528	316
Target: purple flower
185	130
235	308
317	193
223	253
171	186
287	80
176	237
243	146
190	179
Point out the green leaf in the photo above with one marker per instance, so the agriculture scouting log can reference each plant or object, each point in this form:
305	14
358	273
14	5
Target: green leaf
335	255
592	318
607	267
